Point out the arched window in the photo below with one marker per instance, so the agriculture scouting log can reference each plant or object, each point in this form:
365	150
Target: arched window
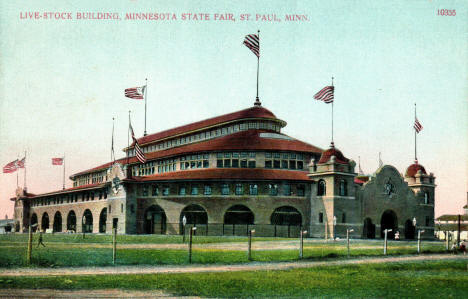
286	215
71	221
321	188
343	188
253	189
426	198
239	189
45	221
57	222
239	214
87	221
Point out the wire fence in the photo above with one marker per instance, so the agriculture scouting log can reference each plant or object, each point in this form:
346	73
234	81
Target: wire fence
221	229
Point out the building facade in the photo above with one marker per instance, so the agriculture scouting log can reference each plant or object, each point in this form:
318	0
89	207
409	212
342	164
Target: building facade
229	174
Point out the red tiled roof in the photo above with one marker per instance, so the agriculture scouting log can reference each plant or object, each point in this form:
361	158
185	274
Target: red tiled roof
245	140
227	174
332	151
358	181
252	112
88	186
414	168
361	179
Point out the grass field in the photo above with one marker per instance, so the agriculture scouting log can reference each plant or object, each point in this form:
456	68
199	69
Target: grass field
96	250
434	279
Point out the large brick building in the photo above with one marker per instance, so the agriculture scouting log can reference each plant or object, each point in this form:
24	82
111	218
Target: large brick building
231	173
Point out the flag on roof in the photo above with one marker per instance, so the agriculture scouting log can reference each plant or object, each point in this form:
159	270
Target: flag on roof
57	161
417	125
20	163
11	167
138	152
136	93
325	94
252	42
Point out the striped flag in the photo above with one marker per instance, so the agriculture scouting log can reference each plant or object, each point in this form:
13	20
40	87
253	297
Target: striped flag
20	163
136	93
138	152
253	43
326	94
417	125
11	167
57	161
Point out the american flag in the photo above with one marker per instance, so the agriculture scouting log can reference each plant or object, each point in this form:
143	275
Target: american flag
253	43
57	161
136	93
325	94
417	125
20	163
138	152
11	167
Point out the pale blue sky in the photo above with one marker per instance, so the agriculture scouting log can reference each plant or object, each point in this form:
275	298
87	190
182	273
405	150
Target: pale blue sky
61	82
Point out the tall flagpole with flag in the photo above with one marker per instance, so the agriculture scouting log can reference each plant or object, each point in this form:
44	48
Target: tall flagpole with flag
25	188
112	143
326	95
252	41
63	186
145	91
417	128
128	144
138	93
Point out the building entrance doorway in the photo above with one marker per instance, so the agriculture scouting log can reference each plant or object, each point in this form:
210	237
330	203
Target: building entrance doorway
409	230
155	220
389	221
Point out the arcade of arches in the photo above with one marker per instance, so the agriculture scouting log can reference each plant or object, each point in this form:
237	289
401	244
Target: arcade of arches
155	220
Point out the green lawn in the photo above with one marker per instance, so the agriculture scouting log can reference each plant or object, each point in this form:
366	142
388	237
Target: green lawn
126	239
66	250
430	279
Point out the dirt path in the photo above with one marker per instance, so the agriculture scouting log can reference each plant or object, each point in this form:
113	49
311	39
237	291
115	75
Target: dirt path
214	268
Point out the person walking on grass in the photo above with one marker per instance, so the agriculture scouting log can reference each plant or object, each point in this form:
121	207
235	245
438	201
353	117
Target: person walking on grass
39	242
463	247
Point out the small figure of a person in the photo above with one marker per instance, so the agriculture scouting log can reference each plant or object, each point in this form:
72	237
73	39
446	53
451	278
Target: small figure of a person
39	241
463	247
397	235
454	248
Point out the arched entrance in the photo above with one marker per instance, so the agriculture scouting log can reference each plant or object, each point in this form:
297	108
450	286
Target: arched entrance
87	221
71	221
368	230
286	215
103	220
194	214
57	222
389	221
155	220
34	222
409	229
45	221
239	214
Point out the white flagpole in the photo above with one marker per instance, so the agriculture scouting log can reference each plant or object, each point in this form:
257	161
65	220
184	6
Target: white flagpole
332	115
112	145
145	91
63	186
257	100
25	188
415	133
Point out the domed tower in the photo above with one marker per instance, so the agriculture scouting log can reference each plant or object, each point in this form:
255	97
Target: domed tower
423	186
333	204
